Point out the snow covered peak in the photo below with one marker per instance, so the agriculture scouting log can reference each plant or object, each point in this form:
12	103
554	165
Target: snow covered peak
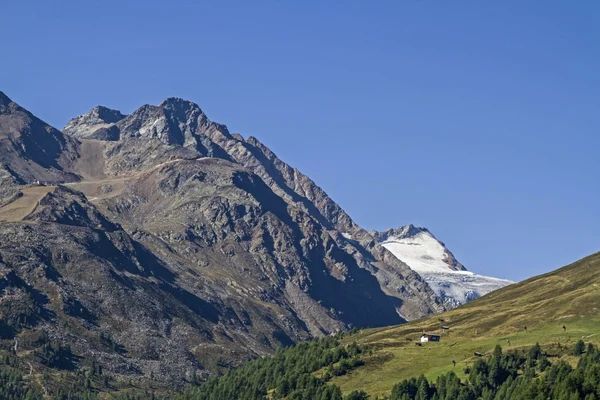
106	115
429	257
418	248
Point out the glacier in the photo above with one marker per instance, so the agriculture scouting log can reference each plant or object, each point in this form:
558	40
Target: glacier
426	255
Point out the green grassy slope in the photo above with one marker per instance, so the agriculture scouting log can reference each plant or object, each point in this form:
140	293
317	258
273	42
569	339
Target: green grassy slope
569	297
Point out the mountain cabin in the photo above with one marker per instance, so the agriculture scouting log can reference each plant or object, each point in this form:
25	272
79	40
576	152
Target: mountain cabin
430	338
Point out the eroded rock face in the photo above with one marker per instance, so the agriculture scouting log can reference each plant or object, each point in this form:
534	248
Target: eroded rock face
212	203
32	150
172	247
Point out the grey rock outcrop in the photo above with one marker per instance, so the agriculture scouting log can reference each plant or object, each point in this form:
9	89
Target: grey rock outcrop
99	123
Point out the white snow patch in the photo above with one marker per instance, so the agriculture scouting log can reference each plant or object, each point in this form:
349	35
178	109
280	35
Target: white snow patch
422	252
425	255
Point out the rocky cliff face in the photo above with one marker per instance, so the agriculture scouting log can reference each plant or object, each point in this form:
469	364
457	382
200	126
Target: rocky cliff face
163	246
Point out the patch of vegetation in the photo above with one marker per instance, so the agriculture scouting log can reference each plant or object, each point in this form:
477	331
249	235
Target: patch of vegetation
13	387
54	355
512	376
17	310
579	348
289	374
558	309
292	374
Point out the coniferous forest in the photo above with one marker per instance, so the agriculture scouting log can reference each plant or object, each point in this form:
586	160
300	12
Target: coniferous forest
303	372
513	375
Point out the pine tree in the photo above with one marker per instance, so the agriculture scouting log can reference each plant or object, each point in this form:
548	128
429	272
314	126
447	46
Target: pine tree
579	348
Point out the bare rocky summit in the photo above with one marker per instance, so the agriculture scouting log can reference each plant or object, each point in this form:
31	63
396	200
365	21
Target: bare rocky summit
163	246
98	124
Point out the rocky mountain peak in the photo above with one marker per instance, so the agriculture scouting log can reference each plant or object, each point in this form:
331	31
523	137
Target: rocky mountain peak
411	230
406	231
7	106
97	115
174	121
35	150
4	100
179	104
106	114
98	123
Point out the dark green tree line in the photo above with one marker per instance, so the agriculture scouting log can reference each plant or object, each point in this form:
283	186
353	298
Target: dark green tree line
514	375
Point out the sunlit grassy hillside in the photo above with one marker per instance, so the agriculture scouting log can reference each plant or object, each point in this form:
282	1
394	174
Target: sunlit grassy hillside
568	297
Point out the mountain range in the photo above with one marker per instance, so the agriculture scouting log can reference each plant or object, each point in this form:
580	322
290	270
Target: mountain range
187	246
164	247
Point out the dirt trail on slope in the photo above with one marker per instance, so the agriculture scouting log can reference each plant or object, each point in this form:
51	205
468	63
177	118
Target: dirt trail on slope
24	205
101	189
90	165
96	187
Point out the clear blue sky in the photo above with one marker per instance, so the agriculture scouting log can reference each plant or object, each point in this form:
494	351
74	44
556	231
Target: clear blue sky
477	119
